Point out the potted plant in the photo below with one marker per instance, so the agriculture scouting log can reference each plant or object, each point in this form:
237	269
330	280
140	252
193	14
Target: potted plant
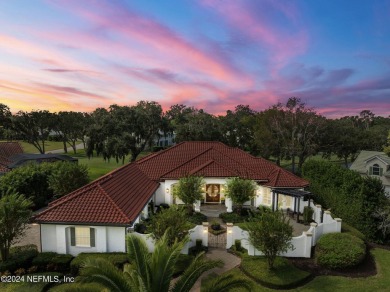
215	225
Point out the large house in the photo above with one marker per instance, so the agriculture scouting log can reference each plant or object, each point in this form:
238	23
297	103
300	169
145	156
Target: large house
375	164
96	217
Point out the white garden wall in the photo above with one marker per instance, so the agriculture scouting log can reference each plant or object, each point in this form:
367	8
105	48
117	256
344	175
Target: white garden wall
301	244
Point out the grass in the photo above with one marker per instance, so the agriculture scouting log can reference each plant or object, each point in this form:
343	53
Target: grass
28	286
379	282
49	146
97	166
284	274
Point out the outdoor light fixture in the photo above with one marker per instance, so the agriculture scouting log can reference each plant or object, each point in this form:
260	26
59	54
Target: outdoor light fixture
167	190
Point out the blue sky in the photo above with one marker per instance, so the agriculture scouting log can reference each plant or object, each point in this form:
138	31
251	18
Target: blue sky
211	54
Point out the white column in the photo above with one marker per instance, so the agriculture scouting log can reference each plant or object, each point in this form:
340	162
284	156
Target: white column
314	231
308	245
205	234
317	213
197	206
229	235
229	205
338	224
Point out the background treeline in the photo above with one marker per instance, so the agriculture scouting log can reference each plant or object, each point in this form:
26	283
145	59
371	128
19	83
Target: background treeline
291	131
357	200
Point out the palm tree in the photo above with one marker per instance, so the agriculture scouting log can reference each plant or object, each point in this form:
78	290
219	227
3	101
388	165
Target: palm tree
225	283
148	272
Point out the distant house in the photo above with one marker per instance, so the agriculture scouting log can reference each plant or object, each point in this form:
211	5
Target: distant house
163	140
12	156
96	217
375	164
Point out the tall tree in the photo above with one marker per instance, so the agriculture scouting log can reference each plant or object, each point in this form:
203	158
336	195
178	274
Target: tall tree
34	127
189	190
149	272
237	127
239	191
271	234
5	120
15	212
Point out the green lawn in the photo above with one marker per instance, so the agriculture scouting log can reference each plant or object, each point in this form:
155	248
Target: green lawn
97	166
49	146
379	282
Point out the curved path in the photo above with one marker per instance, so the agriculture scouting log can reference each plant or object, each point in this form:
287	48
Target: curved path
230	261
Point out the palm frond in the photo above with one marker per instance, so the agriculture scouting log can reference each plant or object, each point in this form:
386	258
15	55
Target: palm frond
193	272
139	254
103	272
163	262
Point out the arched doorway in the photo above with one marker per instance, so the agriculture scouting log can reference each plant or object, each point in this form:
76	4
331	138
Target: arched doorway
213	193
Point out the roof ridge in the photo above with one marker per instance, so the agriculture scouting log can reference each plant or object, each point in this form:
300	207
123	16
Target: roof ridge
151	155
234	148
79	191
216	162
112	202
69	197
187	161
196	169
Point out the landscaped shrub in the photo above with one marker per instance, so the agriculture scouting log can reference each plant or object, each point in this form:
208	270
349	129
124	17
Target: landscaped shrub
140	228
231	217
116	258
198	248
346	228
20	257
339	250
62	262
307	214
237	245
43	259
52	261
197	218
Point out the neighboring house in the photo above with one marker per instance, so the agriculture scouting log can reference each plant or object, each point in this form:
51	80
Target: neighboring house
96	217
12	156
165	140
375	164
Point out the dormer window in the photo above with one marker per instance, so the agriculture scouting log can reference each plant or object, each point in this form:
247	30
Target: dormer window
376	170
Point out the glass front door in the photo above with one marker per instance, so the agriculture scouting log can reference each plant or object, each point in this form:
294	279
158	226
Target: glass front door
213	193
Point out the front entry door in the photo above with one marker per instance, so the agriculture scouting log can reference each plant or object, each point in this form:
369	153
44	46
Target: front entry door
212	193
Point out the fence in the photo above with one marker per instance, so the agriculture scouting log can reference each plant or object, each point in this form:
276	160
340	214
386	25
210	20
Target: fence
301	244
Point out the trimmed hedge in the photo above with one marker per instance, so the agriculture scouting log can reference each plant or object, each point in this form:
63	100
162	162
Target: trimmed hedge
339	251
118	259
231	218
346	228
51	261
351	197
197	218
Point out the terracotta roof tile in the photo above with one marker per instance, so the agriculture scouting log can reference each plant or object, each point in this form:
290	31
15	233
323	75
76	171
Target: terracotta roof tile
116	198
8	149
119	197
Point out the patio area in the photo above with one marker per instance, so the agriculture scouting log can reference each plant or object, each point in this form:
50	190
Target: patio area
212	212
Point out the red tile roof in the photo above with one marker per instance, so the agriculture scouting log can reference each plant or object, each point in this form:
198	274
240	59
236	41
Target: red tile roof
116	198
119	197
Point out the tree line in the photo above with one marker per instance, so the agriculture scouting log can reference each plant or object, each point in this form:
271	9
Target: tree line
285	131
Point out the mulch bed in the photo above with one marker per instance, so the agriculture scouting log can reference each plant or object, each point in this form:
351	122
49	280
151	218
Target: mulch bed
366	268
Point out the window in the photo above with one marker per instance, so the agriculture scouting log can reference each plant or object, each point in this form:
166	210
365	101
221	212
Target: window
376	170
82	236
267	197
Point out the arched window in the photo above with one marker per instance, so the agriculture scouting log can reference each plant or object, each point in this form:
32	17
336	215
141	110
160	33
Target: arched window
376	170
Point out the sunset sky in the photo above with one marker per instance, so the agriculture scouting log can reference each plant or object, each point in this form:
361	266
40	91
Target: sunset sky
211	54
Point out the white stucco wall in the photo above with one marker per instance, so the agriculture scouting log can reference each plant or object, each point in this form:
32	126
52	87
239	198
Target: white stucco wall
56	238
49	241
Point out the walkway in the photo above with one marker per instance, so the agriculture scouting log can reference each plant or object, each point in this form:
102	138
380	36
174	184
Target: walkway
230	261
